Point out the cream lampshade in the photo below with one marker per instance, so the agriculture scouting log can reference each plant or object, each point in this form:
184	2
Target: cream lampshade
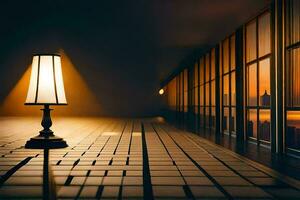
46	88
46	81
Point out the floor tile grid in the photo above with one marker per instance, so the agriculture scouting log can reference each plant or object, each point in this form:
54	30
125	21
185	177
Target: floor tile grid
112	185
271	189
108	190
10	132
269	183
206	187
17	150
132	185
13	140
34	180
240	189
161	161
77	178
112	146
227	183
124	153
177	157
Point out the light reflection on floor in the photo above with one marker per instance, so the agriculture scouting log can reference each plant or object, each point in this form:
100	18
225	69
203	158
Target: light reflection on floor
128	159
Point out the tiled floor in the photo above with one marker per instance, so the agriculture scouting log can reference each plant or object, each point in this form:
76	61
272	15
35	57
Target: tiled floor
129	159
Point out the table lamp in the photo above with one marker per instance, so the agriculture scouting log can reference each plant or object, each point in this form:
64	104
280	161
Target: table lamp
46	88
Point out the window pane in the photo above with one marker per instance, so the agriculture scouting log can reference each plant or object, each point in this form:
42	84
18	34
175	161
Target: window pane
185	89
252	123
293	79
251	41
252	85
196	103
226	90
232	52
293	130
201	116
207	99
201	71
232	119
177	91
221	89
196	109
182	89
296	79
264	37
294	19
192	93
201	95
196	75
213	90
185	101
220	60
264	125
185	79
213	117
233	88
172	94
225	122
207	68
264	82
196	96
207	116
212	64
226	55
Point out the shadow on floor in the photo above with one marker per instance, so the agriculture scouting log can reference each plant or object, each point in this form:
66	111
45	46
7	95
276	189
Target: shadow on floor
262	154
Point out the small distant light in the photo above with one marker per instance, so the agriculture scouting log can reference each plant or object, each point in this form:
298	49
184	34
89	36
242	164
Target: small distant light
161	91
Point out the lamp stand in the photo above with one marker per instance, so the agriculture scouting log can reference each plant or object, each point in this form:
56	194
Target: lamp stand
46	139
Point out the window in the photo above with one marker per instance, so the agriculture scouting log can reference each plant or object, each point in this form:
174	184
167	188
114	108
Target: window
258	70
195	96
264	42
195	89
185	90
293	22
292	84
227	80
181	92
202	95
171	93
207	90
251	41
293	130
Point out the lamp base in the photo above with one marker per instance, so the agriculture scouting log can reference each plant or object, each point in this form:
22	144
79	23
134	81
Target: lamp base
41	142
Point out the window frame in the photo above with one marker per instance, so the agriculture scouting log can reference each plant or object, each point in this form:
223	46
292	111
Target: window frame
229	73
257	61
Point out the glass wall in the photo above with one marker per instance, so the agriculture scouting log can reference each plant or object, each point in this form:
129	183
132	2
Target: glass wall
195	97
227	80
185	90
171	95
202	94
258	64
212	120
207	90
292	79
194	88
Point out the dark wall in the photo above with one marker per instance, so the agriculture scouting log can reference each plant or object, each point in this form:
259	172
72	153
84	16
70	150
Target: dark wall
121	50
99	41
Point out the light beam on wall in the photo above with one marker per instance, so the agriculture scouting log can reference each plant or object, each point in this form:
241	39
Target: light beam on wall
81	100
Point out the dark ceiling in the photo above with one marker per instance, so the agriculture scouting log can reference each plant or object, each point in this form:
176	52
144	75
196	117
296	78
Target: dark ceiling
124	46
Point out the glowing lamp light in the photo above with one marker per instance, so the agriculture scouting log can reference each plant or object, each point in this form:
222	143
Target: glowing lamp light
46	88
161	91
